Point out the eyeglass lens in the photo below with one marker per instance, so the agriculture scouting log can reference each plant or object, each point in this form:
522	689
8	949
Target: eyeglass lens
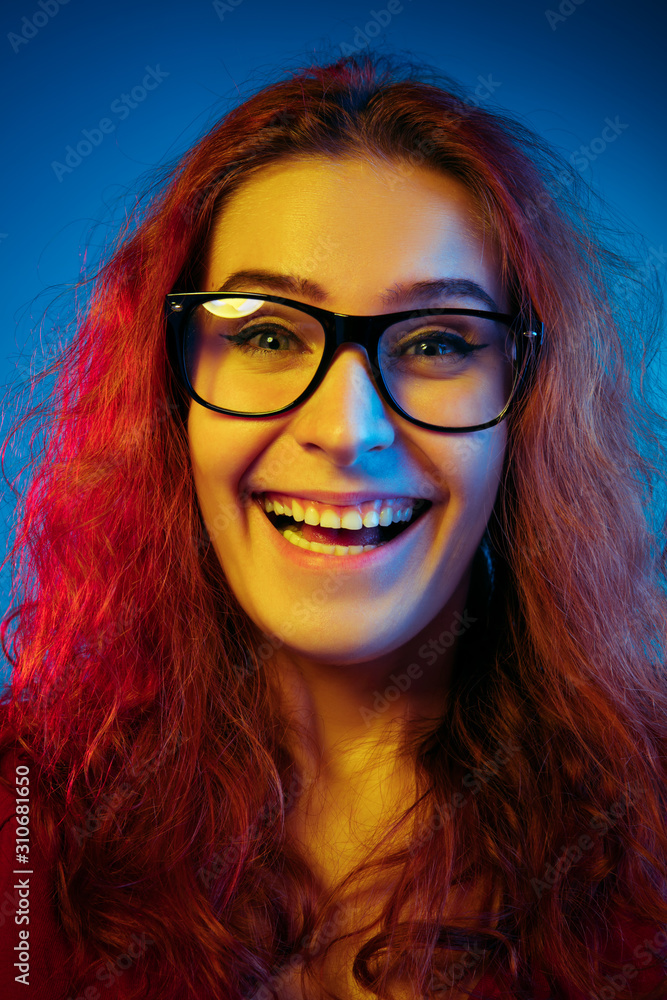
255	357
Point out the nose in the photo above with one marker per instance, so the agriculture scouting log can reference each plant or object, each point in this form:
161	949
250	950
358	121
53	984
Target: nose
345	417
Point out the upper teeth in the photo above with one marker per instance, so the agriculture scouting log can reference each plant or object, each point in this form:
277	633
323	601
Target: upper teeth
367	515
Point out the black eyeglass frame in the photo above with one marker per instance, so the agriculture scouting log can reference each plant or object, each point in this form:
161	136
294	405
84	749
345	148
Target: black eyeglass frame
341	328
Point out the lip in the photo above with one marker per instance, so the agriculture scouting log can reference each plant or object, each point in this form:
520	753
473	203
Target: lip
342	499
345	564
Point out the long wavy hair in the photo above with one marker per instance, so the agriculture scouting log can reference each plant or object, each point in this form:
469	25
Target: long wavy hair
161	774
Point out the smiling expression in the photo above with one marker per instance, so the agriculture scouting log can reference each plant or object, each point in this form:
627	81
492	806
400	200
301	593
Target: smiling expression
344	235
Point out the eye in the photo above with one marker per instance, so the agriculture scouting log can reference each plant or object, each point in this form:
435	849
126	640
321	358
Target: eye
437	344
271	338
434	346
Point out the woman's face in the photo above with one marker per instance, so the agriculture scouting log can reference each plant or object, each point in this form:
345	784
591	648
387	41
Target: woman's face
343	235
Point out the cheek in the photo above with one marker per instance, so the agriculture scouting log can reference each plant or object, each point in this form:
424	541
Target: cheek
224	452
217	458
469	470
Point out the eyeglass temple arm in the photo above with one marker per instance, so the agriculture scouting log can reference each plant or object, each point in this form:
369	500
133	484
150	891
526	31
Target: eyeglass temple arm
536	330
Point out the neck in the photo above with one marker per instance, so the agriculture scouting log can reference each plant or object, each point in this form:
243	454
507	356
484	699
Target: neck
341	715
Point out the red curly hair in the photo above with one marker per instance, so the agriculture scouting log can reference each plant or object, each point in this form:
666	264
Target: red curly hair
138	691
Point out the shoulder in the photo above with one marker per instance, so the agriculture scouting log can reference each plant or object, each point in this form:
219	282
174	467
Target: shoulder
637	949
10	761
33	953
642	948
35	956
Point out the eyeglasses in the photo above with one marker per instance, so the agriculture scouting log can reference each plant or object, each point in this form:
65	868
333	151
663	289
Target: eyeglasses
250	355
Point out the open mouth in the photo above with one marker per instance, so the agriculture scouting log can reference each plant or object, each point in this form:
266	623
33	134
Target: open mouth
367	527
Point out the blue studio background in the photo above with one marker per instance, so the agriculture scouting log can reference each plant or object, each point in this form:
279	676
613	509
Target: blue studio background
157	73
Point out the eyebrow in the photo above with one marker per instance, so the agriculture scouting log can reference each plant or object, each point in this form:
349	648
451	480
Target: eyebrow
420	291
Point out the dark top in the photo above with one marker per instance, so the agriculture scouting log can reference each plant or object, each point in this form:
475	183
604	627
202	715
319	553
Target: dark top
35	954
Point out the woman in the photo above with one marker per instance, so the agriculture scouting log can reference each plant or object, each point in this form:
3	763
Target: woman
329	669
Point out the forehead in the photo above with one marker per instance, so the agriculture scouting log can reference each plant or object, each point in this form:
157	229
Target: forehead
352	226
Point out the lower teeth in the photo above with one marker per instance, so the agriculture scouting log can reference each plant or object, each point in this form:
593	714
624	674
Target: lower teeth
331	550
